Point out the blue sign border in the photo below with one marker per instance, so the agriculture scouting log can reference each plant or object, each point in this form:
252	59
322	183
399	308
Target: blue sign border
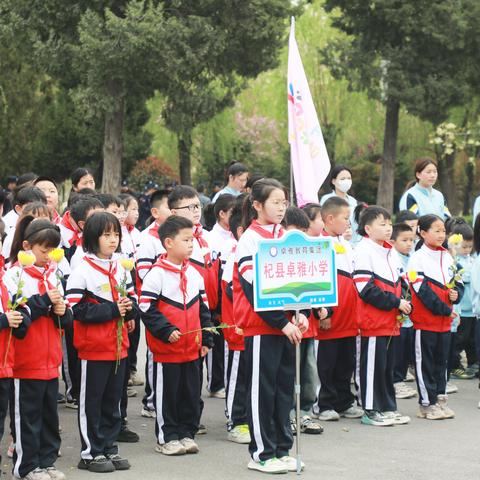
282	301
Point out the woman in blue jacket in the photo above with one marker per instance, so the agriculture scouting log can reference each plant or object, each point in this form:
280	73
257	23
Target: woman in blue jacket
422	198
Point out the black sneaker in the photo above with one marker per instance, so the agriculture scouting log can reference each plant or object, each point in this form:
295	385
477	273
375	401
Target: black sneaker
118	462
99	464
60	398
127	436
202	429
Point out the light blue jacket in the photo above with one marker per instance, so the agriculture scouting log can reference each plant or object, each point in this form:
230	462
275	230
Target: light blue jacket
466	307
424	201
404	262
475	286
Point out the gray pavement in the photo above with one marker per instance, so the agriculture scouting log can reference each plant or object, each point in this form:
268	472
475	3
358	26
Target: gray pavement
446	449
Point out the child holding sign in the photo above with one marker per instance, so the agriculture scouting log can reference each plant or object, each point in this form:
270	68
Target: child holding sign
269	338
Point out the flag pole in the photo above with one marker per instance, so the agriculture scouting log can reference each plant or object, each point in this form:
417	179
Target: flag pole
292	199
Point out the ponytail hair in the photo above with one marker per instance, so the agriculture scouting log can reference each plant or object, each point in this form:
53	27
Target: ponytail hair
35	231
424	224
261	191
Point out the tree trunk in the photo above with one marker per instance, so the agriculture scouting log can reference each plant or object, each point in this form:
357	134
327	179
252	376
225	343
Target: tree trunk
387	174
467	195
113	142
184	151
447	182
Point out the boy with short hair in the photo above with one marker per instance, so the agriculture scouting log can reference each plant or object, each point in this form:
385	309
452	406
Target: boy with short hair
175	310
409	218
403	239
149	250
150	245
183	201
336	334
22	195
73	221
378	282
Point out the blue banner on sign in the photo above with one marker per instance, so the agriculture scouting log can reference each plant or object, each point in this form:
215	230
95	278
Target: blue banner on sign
295	269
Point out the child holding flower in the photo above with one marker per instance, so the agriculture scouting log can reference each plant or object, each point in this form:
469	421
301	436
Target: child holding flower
436	288
175	310
32	282
13	322
103	299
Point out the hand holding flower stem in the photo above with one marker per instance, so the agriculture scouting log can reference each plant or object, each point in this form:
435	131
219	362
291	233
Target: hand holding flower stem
25	259
124	305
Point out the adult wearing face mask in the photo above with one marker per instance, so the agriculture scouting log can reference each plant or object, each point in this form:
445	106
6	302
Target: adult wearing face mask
422	198
341	183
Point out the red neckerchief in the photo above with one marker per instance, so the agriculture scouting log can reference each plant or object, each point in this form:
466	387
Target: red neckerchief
110	273
182	271
43	282
197	234
256	227
3	292
56	218
154	231
129	228
77	235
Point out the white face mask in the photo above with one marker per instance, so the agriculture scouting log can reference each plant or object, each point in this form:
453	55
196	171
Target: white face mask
344	185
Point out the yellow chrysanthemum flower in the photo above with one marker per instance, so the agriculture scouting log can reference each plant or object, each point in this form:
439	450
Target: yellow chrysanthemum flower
340	248
455	239
127	264
26	259
56	255
412	276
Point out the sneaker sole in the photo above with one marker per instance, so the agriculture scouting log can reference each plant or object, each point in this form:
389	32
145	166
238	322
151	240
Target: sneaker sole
372	423
239	441
122	465
148	415
170	454
259	469
94	469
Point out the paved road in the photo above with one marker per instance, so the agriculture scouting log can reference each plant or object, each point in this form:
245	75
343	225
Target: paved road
447	449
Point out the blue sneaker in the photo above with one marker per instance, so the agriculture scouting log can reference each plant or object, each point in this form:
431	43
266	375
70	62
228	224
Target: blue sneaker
376	419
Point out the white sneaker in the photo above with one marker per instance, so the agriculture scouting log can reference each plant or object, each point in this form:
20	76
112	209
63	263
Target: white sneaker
352	412
37	474
239	434
190	445
174	447
329	416
55	474
410	376
291	463
135	380
218	394
442	403
402	390
397	417
478	404
451	388
147	413
431	412
272	465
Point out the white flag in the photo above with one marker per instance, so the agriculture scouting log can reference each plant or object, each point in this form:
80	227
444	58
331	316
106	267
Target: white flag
308	153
